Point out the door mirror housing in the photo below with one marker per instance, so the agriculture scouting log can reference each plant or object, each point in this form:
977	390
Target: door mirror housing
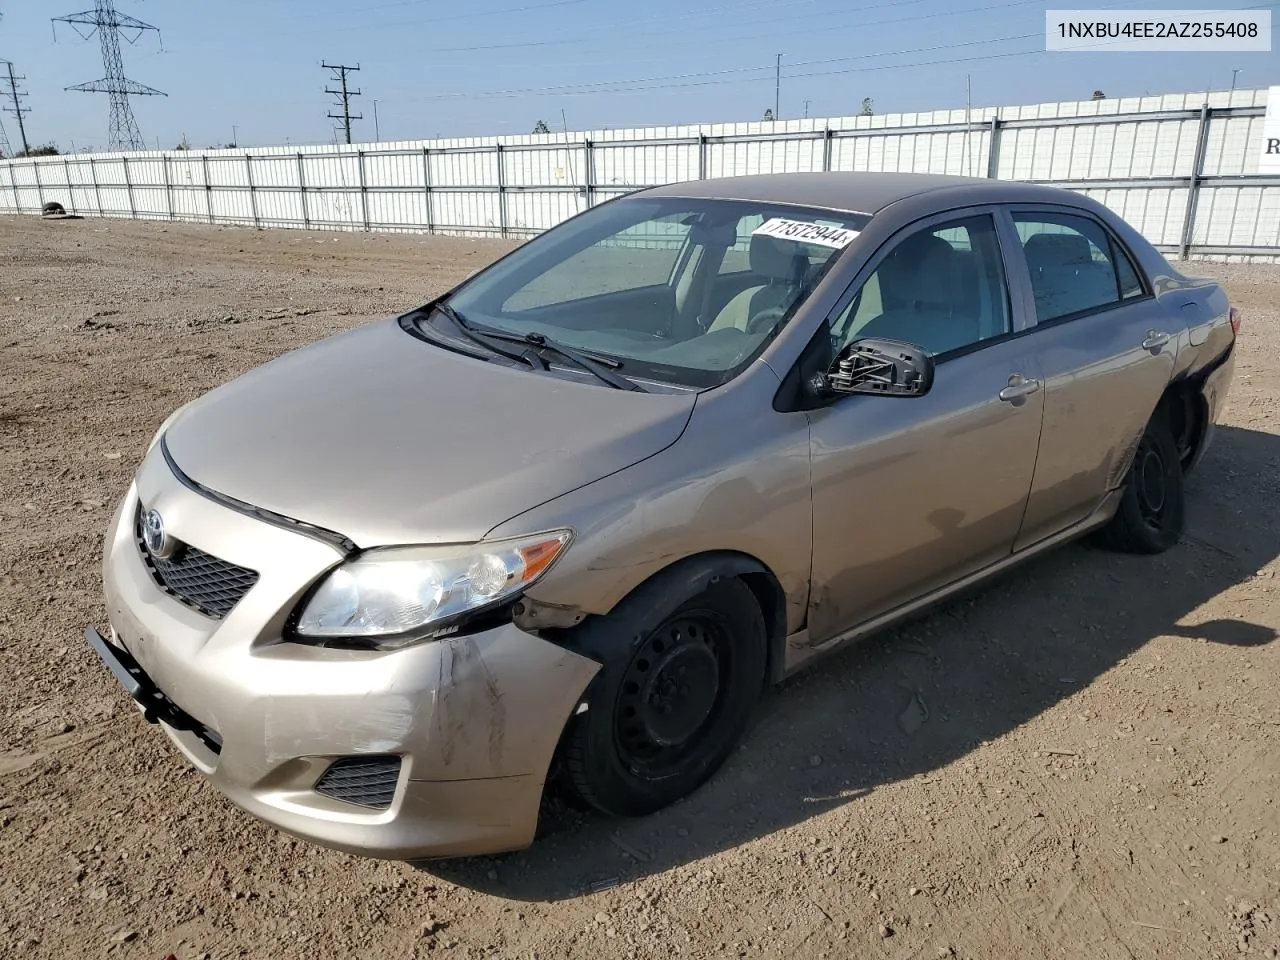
890	368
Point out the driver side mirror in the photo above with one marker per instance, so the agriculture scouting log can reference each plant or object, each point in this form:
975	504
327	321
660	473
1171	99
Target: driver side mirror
883	367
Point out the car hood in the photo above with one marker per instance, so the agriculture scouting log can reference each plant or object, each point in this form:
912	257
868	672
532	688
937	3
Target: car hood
386	439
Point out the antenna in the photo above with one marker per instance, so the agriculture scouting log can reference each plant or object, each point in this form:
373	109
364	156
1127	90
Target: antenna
340	72
110	25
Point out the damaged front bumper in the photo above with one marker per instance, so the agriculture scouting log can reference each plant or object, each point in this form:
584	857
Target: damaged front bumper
468	724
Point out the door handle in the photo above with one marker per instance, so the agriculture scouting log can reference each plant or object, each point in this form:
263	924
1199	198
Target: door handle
1019	388
1155	340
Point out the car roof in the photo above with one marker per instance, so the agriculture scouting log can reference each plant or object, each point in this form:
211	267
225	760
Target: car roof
866	193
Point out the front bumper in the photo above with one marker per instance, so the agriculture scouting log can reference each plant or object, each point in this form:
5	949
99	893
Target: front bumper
473	719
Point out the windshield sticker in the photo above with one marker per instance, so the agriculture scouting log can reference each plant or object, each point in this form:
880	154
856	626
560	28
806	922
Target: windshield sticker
837	237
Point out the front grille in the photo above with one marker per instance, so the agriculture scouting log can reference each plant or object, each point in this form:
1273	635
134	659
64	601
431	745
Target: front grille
200	580
366	781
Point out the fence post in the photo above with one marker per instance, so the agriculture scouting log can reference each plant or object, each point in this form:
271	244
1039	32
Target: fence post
13	185
993	149
302	191
253	197
97	191
828	141
588	174
426	187
208	187
502	194
1193	187
702	155
128	184
66	172
364	190
35	168
168	183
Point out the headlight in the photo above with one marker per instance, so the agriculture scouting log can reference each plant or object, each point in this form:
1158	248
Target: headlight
404	595
168	422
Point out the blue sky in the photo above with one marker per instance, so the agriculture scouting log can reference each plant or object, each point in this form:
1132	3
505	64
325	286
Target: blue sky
448	68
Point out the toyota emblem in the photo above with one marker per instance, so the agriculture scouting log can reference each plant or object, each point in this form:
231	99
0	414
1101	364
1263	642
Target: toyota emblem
158	543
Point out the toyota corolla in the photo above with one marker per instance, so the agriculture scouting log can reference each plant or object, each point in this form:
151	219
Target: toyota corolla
569	519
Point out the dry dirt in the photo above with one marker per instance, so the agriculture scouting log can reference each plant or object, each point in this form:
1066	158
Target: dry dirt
1081	761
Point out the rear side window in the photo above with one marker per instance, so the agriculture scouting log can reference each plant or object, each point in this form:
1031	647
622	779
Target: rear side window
1075	265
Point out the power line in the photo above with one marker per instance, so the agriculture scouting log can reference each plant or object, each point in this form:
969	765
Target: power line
110	25
662	82
340	72
14	95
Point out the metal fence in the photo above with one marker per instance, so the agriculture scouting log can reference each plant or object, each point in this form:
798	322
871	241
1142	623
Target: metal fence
1181	168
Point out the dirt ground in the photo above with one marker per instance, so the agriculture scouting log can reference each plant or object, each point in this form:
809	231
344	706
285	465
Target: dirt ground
1081	761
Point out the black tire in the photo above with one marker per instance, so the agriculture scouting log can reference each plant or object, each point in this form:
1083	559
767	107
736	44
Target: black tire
1153	507
52	208
676	691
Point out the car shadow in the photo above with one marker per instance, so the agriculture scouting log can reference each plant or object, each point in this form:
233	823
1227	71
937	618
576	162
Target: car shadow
916	698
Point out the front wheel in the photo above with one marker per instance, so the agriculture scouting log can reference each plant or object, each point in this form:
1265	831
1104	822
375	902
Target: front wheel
670	702
1153	507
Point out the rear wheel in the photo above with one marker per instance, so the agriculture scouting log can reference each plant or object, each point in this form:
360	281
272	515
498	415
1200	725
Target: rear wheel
1152	508
670	702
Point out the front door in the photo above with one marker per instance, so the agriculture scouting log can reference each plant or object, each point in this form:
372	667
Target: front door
910	494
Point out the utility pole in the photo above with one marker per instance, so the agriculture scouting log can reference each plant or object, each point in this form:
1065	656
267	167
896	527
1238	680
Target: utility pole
806	109
1234	73
16	95
340	72
377	134
777	87
110	25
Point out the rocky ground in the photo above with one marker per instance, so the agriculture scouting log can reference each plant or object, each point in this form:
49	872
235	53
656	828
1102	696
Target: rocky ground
1081	761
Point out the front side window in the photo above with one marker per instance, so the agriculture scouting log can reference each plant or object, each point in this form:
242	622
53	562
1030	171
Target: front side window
1074	264
688	291
942	289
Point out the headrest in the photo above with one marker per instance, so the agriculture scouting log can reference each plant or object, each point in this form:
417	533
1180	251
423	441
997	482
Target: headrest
777	259
920	270
1057	250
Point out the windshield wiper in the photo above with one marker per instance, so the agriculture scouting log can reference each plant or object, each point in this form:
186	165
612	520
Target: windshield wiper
488	341
602	368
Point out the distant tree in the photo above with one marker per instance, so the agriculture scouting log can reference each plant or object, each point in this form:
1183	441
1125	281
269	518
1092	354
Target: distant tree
1098	95
541	127
48	150
768	114
867	110
182	146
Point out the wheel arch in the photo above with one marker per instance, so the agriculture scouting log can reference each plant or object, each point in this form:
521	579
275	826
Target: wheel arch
667	588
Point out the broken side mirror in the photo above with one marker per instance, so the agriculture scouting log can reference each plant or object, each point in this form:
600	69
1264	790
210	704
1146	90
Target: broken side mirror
883	367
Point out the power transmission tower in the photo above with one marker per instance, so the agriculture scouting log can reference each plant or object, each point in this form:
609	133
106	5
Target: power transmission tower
110	25
9	90
5	149
340	72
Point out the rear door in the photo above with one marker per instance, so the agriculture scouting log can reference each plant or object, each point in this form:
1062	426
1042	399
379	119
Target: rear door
1105	347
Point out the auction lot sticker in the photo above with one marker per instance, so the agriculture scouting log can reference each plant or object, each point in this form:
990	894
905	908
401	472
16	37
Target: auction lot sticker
806	232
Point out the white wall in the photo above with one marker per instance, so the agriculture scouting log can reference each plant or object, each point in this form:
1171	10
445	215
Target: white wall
1136	155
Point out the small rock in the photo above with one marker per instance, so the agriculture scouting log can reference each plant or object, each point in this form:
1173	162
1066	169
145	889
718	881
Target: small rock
99	893
914	891
815	761
66	726
602	917
124	936
1219	839
886	931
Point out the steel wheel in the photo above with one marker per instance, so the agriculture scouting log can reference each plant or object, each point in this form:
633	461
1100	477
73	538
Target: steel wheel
670	692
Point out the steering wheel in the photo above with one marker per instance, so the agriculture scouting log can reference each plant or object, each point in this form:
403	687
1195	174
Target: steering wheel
766	318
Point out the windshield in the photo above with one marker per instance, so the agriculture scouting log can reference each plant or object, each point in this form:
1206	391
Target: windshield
678	290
